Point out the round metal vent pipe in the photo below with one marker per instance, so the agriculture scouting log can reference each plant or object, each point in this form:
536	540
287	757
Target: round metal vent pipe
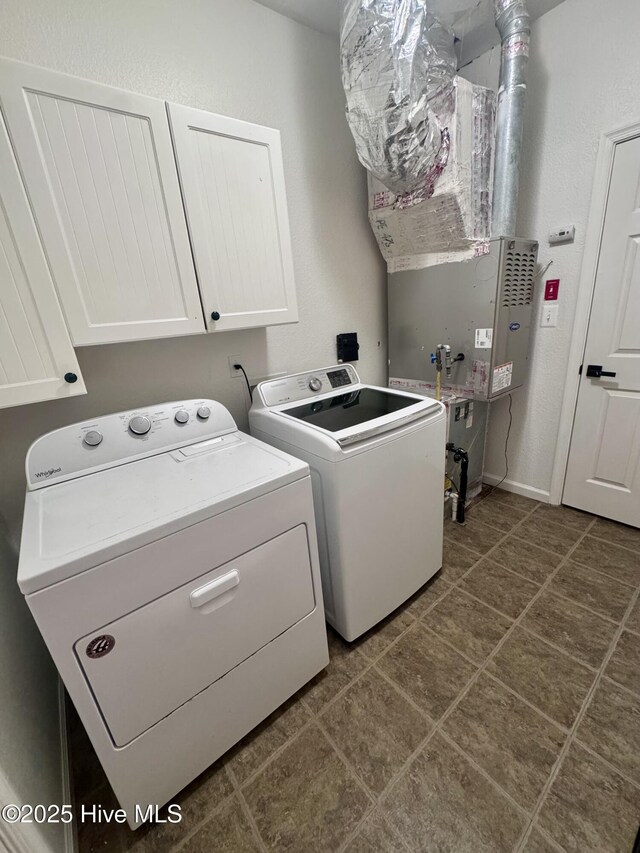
513	23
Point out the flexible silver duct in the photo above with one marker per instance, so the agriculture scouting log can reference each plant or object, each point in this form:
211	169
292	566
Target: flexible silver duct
512	21
398	68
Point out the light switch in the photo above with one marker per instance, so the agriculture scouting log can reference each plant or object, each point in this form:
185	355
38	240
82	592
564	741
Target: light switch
549	314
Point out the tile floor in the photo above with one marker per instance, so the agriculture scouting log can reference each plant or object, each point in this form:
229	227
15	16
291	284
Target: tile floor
499	710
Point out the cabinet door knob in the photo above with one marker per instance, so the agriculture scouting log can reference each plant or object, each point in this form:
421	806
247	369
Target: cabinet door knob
70	377
215	315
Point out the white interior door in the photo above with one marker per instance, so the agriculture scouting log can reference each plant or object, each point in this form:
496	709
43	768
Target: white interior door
603	474
35	349
100	172
234	192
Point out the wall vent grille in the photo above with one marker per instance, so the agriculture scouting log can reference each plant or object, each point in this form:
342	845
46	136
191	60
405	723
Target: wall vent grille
518	277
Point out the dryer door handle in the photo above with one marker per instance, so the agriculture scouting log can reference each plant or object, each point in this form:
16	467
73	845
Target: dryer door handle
213	589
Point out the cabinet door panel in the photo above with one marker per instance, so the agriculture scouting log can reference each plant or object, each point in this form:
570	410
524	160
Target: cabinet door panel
101	176
35	349
233	186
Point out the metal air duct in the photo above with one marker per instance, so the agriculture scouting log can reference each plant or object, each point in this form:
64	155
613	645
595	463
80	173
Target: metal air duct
398	69
512	21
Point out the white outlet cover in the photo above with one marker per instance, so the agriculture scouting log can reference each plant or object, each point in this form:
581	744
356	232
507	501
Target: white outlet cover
234	359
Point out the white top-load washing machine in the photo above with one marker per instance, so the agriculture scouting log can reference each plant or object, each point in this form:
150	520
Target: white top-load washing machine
377	467
170	563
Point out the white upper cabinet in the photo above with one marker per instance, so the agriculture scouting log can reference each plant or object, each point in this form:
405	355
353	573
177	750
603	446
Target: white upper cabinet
35	350
234	193
100	173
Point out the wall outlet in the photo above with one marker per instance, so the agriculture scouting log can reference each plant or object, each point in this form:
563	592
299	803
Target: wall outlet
235	359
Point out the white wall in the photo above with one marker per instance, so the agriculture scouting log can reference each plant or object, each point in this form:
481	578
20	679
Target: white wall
584	78
241	59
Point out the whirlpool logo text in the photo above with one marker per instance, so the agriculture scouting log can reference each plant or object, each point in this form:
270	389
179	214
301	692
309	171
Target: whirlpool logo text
48	473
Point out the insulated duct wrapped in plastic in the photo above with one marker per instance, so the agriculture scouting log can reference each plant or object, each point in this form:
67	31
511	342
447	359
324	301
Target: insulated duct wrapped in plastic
398	68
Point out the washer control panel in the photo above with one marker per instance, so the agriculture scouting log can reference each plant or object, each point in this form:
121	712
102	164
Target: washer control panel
302	386
114	439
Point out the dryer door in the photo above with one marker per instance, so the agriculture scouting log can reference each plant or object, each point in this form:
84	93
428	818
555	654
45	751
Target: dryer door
145	665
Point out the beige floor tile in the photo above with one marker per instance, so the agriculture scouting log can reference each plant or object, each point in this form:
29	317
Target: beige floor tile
475	630
564	515
547	534
376	729
546	677
427	595
346	662
199	799
624	665
497	514
306	799
376	836
473	535
537	843
228	831
516	745
374	642
260	744
611	727
575	629
633	622
500	588
534	563
429	671
592	589
511	499
442	803
620	563
590	808
456	561
619	534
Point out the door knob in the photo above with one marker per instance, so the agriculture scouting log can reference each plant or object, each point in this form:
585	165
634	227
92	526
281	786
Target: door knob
215	315
595	371
70	378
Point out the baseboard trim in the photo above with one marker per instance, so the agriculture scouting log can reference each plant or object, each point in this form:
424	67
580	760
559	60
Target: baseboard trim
517	488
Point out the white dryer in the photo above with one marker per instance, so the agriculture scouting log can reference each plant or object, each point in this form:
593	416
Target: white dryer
170	563
377	466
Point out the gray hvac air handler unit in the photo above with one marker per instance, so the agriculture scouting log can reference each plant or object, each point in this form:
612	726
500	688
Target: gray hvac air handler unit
481	308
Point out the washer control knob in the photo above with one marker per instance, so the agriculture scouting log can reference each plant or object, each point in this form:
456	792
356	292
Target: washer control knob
182	416
140	425
315	384
92	438
204	412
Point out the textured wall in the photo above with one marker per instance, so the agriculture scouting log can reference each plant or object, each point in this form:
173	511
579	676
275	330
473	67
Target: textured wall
240	59
584	79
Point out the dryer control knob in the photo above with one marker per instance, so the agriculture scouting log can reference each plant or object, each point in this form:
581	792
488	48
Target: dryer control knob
182	416
314	383
92	438
140	425
204	412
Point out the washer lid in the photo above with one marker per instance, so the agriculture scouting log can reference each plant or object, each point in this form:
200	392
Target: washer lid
355	407
75	525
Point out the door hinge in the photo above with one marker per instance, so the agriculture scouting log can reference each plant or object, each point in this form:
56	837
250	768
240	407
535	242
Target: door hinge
580	370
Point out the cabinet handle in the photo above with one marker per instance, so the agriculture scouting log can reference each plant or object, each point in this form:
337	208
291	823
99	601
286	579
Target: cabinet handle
70	377
215	315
